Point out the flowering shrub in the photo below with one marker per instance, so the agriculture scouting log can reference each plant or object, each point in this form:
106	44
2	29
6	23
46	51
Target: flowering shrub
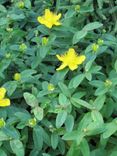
58	78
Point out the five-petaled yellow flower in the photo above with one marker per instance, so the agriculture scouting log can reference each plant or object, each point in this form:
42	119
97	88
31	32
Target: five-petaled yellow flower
3	101
70	59
49	19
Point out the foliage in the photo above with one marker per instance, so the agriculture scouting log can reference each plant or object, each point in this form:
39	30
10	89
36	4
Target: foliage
66	112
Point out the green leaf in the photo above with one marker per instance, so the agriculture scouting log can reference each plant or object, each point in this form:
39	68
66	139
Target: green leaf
11	132
111	128
97	117
31	100
38	112
37	138
115	65
100	3
54	140
69	123
74	135
3	136
60	119
17	147
64	89
2	153
92	26
79	35
17	17
10	86
95	128
101	90
82	103
3	21
43	51
84	147
59	76
75	82
62	99
27	4
114	153
3	9
99	102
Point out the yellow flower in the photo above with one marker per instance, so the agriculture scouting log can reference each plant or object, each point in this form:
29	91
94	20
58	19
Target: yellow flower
70	59
49	19
3	101
17	76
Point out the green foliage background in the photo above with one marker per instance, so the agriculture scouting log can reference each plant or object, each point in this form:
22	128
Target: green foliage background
78	117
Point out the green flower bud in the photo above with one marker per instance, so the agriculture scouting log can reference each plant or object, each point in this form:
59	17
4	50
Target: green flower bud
95	47
100	41
32	122
104	30
51	87
17	77
44	41
21	5
2	122
108	83
8	55
9	29
23	47
77	8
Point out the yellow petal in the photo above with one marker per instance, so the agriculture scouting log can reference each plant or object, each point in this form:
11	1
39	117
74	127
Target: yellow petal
48	24
4	102
59	16
59	57
57	23
48	13
73	66
81	59
71	51
2	92
40	19
62	66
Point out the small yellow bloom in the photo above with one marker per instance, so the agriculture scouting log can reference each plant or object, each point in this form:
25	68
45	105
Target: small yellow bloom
3	101
70	59
51	87
17	76
2	122
49	19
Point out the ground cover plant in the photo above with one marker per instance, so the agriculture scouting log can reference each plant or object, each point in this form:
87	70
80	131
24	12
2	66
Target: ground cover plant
58	78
